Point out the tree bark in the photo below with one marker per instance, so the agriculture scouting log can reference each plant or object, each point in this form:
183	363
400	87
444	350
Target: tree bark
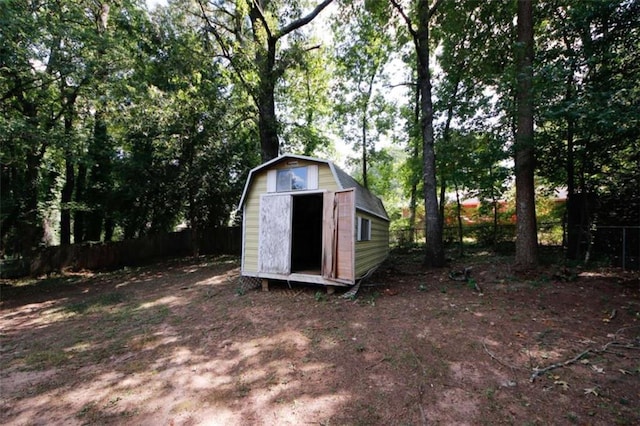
99	179
268	124
67	192
69	175
267	120
459	218
434	255
415	178
526	239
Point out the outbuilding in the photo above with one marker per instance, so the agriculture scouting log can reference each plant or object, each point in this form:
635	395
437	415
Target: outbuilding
306	220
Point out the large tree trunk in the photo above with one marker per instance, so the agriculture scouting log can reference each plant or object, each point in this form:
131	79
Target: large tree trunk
269	72
267	122
434	255
526	239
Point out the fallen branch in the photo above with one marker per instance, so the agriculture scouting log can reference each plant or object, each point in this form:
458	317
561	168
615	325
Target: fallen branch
383	359
540	371
537	372
495	358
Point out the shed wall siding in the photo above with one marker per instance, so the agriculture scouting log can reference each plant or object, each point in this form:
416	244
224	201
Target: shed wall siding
258	186
371	253
251	221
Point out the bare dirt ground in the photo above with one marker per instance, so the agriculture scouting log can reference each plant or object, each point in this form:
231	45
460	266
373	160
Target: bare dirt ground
183	342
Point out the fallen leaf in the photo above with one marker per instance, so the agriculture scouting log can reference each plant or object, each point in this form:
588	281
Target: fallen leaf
584	361
592	391
623	371
597	369
565	385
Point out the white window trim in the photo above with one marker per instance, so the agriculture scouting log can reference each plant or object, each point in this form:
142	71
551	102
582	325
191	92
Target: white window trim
312	176
312	179
271	180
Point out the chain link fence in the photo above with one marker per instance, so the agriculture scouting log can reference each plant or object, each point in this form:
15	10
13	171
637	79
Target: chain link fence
619	246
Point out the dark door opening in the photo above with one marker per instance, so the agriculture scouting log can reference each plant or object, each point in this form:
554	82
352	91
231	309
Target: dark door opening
306	235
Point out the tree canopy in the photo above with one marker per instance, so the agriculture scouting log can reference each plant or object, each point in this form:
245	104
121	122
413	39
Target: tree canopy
117	121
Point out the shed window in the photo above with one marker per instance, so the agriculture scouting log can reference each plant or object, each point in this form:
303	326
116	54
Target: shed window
364	229
293	179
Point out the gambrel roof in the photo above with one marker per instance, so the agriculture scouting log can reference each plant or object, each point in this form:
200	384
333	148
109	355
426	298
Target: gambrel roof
365	200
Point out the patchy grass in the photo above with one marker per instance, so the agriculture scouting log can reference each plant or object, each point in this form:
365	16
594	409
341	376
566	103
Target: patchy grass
175	344
95	304
45	359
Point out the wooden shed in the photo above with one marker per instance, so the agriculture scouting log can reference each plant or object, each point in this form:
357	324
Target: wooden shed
306	220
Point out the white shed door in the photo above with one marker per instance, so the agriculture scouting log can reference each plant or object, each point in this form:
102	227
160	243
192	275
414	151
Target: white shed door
274	247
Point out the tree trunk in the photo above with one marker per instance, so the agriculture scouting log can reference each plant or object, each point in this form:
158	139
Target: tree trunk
459	216
412	212
99	179
526	239
65	199
79	215
443	199
365	124
434	256
30	228
268	123
415	178
365	182
573	228
69	176
269	73
494	205
446	134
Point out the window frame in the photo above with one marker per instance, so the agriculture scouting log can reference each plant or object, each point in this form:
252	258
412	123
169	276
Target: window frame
291	181
364	229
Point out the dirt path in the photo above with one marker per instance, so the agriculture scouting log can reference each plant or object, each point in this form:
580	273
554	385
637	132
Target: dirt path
183	343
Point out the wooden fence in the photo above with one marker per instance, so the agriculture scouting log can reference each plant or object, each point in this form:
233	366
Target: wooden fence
111	255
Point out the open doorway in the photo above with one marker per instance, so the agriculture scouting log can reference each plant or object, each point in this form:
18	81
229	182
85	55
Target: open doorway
306	235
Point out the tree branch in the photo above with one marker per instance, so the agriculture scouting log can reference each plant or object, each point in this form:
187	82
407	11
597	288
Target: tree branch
226	54
261	17
433	8
302	21
540	371
404	16
537	372
405	83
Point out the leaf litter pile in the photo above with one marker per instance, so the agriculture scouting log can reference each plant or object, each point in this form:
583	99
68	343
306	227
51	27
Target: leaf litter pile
189	342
